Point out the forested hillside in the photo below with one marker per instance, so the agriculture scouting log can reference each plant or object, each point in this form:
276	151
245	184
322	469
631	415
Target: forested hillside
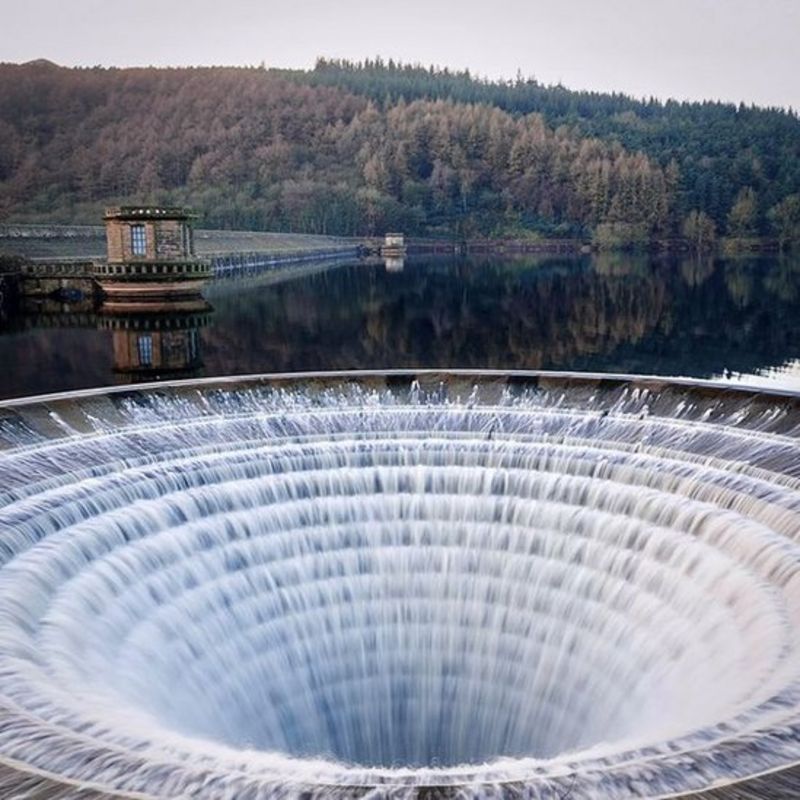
358	149
721	150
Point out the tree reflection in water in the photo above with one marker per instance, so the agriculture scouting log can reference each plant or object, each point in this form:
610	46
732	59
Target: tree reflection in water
611	312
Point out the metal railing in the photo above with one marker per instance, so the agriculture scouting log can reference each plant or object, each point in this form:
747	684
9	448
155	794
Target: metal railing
238	264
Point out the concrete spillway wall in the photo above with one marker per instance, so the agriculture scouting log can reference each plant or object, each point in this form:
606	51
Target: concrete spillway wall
442	494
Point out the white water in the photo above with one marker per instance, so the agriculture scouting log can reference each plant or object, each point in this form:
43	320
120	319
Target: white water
257	593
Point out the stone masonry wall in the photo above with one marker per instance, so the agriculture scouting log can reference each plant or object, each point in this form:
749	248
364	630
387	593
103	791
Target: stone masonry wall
169	240
164	240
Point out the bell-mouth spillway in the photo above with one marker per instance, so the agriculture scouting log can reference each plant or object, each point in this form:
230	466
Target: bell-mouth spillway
411	583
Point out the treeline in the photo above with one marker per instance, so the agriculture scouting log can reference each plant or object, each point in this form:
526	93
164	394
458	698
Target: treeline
359	149
723	152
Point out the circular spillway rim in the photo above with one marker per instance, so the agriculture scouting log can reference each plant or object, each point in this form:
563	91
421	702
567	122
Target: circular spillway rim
523	376
533	379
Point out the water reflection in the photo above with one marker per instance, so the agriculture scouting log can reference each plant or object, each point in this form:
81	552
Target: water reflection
156	341
49	345
735	318
394	263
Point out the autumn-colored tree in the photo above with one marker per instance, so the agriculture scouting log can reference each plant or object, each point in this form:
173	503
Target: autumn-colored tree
742	217
785	220
700	231
254	148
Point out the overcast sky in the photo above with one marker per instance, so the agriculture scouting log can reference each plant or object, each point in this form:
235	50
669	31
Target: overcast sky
722	49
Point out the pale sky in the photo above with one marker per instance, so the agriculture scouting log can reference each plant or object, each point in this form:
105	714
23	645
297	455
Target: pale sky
746	50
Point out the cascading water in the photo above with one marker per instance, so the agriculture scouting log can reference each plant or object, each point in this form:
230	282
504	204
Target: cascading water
548	587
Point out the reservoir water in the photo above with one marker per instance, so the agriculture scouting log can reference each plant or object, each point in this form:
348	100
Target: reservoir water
732	319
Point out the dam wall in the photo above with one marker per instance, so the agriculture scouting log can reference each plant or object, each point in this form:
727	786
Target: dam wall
78	242
66	259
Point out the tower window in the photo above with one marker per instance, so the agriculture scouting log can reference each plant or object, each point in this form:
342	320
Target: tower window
144	346
138	240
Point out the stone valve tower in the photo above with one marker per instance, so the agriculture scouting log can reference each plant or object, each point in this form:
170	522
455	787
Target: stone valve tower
150	255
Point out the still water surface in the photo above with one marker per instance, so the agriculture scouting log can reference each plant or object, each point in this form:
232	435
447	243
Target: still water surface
731	319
